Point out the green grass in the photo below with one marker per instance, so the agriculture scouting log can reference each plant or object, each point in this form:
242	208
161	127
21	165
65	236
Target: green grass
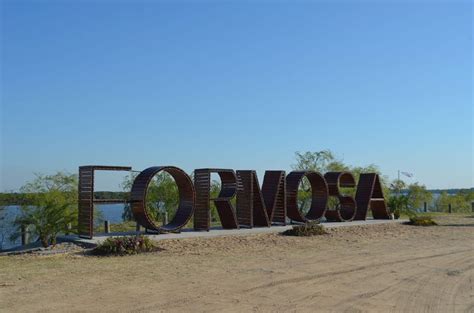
436	214
425	220
117	228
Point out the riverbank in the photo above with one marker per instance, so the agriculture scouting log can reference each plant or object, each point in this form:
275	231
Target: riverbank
388	267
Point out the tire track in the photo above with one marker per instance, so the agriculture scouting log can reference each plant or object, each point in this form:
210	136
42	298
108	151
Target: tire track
356	269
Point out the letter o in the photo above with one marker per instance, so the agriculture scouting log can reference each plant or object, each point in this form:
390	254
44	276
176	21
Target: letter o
186	198
319	196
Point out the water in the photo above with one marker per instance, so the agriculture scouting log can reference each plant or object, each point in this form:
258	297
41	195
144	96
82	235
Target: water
7	215
110	212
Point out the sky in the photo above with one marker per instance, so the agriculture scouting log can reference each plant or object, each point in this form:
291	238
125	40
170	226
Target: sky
236	84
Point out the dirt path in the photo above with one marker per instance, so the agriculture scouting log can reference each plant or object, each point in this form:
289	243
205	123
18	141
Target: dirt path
383	268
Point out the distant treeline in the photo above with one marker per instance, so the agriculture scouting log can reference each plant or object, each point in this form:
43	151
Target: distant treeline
440	191
18	198
452	191
12	198
111	195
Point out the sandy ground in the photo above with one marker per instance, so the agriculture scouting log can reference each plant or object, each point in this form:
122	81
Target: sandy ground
382	268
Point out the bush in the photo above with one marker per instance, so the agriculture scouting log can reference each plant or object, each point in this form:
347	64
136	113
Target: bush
422	221
49	206
46	221
308	229
125	245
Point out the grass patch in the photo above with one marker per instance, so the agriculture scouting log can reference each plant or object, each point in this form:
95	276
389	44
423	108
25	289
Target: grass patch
123	227
305	230
126	245
422	221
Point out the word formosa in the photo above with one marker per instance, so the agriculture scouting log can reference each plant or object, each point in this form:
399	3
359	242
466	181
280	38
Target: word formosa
267	205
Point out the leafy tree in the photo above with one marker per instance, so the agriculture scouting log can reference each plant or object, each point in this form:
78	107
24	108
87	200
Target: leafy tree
397	186
337	166
460	202
398	204
417	195
314	161
51	206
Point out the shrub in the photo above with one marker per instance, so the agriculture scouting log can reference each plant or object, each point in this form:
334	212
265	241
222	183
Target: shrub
422	221
308	229
46	221
125	245
49	206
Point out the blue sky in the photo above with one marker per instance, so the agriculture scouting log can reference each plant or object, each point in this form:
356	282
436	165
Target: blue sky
239	85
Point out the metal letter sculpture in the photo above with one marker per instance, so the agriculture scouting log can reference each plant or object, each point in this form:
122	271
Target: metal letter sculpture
186	198
347	205
273	203
370	195
227	215
87	199
274	195
319	199
261	207
251	210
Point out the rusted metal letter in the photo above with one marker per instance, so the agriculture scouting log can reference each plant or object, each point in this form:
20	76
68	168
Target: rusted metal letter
274	195
261	207
186	198
202	183
369	194
319	199
251	210
87	199
346	209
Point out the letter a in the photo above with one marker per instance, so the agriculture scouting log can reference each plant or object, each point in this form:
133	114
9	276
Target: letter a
369	194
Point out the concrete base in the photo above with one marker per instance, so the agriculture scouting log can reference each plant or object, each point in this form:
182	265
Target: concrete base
215	232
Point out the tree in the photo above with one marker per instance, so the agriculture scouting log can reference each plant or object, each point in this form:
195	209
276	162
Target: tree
372	168
409	202
417	195
313	161
397	185
398	204
51	206
460	202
